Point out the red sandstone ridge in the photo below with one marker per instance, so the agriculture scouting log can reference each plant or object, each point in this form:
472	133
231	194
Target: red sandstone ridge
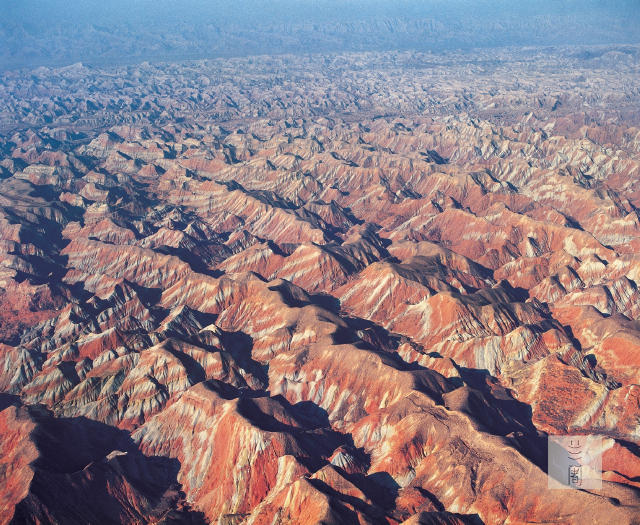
363	304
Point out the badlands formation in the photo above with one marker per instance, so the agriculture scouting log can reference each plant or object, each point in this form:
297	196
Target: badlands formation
354	289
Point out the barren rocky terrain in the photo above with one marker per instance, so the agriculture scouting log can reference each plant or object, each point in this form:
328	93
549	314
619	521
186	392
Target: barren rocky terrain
358	288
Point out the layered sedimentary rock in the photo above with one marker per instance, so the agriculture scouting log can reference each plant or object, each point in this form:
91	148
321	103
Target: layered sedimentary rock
332	308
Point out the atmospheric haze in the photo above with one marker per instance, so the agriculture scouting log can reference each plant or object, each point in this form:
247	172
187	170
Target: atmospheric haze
61	32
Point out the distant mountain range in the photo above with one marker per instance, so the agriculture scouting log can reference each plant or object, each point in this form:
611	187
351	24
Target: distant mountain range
57	33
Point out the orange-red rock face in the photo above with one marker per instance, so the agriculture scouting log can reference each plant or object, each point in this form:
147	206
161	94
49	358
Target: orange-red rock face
317	314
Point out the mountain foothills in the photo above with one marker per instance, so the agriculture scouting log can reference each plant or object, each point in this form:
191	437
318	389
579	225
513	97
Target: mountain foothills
355	289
